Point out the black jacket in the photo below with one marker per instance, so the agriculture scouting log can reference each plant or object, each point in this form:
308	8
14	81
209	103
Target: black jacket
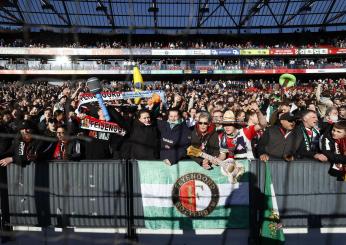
23	153
306	148
74	150
104	145
325	126
208	143
142	142
174	142
330	149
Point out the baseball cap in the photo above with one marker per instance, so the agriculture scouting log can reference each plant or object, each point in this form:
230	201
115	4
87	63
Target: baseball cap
24	125
287	116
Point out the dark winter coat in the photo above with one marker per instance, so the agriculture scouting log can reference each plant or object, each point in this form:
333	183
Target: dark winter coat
331	150
104	145
142	143
174	142
274	144
305	148
208	143
23	153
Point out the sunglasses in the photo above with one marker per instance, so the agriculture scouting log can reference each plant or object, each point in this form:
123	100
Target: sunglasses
203	123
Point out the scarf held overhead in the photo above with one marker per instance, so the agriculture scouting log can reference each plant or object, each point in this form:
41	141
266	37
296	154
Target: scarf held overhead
109	96
91	123
95	124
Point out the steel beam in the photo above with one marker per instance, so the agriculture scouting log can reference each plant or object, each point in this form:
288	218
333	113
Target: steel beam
300	10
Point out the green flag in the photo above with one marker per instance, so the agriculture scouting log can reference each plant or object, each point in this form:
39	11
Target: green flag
186	196
271	232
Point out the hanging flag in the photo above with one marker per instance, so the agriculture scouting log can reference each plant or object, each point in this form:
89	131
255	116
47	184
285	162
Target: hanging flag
271	232
186	196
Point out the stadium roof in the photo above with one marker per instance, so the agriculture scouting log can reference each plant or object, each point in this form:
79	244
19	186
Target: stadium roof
174	17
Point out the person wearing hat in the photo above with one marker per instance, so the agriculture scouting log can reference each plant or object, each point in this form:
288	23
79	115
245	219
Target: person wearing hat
284	107
278	140
235	141
23	149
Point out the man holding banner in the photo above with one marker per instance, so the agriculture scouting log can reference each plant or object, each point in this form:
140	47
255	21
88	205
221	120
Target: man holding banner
143	140
106	137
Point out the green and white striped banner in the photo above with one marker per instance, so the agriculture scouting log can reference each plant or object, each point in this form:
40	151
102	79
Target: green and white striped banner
186	196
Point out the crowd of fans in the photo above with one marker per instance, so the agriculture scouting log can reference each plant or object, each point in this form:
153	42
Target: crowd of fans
40	122
174	64
171	43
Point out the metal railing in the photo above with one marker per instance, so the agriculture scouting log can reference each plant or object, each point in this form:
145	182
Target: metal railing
108	194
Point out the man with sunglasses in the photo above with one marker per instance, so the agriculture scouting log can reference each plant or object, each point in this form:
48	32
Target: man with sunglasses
278	140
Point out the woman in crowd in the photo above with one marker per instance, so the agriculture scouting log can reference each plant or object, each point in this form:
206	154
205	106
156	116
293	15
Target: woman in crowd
194	96
205	138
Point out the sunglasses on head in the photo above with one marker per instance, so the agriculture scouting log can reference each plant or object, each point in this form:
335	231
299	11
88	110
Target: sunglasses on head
203	123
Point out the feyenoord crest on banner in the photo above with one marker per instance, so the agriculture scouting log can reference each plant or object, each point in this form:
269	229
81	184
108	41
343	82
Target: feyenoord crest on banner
195	195
186	196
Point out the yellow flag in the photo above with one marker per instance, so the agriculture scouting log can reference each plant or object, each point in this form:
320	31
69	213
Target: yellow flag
137	82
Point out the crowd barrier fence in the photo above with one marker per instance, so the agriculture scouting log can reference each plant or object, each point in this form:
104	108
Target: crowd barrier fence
108	194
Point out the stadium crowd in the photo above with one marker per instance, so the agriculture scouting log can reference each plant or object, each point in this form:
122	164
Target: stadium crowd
170	42
42	122
173	64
